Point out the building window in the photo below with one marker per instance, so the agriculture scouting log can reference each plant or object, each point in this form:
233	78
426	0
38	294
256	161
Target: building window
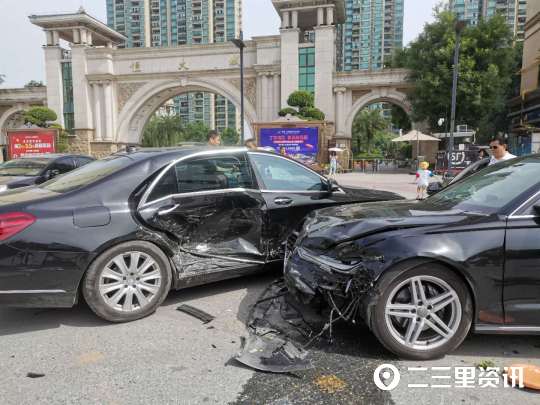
67	87
306	69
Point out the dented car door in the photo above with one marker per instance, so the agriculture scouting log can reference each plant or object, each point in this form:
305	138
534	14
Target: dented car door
210	205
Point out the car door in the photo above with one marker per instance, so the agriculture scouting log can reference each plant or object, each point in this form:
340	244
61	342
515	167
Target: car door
58	167
522	269
210	205
290	191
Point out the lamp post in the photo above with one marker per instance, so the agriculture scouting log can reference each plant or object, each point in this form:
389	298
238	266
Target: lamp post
460	25
240	44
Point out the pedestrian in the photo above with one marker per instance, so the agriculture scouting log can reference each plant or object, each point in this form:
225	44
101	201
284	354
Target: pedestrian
499	150
251	144
422	179
214	139
333	165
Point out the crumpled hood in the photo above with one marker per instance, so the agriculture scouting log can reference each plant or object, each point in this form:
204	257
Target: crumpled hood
330	226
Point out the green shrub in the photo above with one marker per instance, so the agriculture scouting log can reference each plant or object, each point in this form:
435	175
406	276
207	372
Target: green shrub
287	110
301	99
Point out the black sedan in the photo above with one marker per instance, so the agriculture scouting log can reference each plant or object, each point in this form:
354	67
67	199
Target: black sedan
126	229
421	274
38	169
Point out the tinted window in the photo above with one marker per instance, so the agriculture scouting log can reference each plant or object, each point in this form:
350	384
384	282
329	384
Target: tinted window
216	173
87	174
493	188
282	174
81	161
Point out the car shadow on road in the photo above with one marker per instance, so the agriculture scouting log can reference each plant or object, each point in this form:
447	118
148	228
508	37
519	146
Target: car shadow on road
23	320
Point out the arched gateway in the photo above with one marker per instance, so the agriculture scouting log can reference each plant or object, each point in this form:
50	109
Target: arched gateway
115	91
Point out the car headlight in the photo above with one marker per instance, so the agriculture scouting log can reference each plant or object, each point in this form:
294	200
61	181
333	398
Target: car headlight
3	188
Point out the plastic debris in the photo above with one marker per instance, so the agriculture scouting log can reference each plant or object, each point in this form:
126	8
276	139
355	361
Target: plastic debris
205	317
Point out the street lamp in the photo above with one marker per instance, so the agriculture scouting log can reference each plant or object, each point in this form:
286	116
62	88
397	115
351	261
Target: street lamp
459	27
240	44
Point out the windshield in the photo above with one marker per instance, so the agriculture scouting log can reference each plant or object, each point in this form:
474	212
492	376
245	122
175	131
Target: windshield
87	174
23	167
491	189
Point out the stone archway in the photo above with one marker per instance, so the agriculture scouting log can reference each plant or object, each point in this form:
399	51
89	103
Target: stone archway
9	119
386	96
136	108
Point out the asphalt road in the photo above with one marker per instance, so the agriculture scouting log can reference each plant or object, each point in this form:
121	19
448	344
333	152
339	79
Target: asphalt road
172	358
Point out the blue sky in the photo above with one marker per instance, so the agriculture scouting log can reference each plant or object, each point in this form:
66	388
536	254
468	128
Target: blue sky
20	42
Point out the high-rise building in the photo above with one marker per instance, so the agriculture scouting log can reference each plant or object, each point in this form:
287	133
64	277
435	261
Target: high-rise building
162	23
373	30
514	11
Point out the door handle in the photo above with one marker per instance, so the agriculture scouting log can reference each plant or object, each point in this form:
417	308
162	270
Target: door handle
283	200
167	209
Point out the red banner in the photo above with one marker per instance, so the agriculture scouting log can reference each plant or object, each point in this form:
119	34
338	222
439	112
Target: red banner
31	142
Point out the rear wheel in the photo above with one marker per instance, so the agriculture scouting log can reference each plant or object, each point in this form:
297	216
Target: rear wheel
422	313
127	282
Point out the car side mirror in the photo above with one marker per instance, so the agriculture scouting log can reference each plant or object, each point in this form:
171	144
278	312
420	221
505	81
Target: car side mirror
536	208
331	186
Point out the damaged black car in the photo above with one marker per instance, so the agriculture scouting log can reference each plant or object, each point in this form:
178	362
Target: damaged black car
421	274
124	230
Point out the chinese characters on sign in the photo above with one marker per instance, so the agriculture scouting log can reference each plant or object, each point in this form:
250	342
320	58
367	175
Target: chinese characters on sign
299	143
387	377
24	143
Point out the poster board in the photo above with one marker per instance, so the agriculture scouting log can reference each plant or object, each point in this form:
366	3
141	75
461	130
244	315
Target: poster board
31	142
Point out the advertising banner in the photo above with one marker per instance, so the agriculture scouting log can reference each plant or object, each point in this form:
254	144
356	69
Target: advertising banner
30	142
299	143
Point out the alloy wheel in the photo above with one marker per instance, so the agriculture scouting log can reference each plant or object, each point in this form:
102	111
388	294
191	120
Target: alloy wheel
130	281
423	312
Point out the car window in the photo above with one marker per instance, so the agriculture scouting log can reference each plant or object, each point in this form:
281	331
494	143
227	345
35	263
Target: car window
87	174
278	173
81	160
473	168
212	173
23	167
493	188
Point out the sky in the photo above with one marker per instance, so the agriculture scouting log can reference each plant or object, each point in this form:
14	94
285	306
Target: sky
21	56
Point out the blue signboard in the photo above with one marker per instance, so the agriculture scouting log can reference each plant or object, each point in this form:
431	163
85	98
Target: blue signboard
299	143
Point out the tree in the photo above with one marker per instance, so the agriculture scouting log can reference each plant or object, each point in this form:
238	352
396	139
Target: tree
163	131
488	62
62	143
304	101
39	116
367	125
400	119
229	136
196	132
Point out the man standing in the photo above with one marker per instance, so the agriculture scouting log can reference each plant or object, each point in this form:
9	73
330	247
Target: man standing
499	150
214	139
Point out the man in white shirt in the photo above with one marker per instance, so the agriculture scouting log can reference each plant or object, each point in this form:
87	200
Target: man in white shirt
499	150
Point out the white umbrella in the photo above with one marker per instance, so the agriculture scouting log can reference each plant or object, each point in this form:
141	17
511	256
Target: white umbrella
415	135
339	150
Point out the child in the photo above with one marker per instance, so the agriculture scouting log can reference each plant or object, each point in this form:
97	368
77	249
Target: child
422	179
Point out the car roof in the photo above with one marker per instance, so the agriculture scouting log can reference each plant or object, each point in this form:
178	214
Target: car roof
52	156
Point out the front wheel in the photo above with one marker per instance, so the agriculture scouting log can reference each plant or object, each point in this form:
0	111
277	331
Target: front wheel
422	313
127	282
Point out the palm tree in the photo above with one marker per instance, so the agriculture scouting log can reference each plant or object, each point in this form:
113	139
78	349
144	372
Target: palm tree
366	126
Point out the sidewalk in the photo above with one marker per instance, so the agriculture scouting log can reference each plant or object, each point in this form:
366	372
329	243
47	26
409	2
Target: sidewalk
400	183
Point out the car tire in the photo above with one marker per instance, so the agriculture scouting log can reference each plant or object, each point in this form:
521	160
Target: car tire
127	282
396	319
